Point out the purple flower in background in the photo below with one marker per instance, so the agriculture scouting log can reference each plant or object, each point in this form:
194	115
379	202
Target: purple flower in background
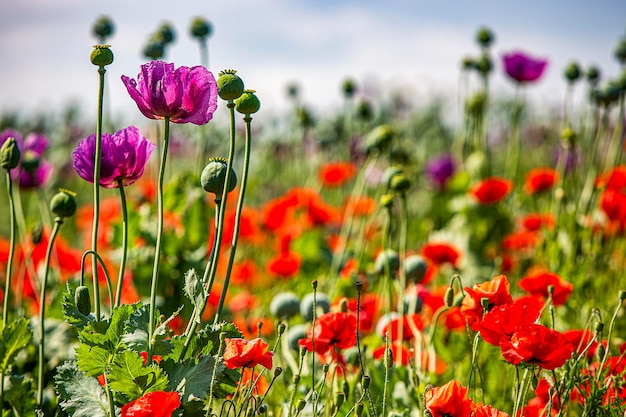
33	170
185	95
124	157
439	170
523	68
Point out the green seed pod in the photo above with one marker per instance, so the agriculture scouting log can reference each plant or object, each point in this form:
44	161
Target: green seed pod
322	303
9	154
415	267
103	27
248	103
468	63
301	404
484	64
484	37
593	74
572	72
285	305
83	300
348	87
102	55
400	183
214	176
379	138
387	257
166	33
358	410
365	381
229	85
339	399
63	204
364	111
154	49
620	51
200	28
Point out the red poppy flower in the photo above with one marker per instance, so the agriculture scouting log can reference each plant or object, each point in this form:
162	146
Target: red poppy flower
487	411
284	264
538	282
502	321
537	344
243	272
398	351
496	291
152	404
241	353
539	180
491	190
614	179
535	221
613	204
334	174
441	253
520	241
331	330
412	324
361	206
580	339
449	400
367	312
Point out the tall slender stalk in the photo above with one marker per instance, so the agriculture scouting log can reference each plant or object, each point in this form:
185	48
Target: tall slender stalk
42	309
120	279
159	236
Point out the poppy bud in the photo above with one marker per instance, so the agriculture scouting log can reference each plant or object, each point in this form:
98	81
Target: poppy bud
475	105
484	64
229	85
386	201
572	72
154	49
600	351
484	302
281	328
365	381
599	327
358	285
387	257
63	204
101	55
593	74
379	138
103	27
415	267
400	183
358	410
296	379
620	50
388	358
285	305
200	28
339	399
484	37
301	405
622	295
314	284
83	299
214	176
348	88
262	409
278	371
306	305
343	305
166	33
468	63
449	297
248	103
36	234
325	368
9	154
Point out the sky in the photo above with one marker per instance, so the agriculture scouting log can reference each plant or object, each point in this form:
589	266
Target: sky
414	46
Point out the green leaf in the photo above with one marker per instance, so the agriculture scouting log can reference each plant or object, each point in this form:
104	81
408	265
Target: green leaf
15	336
92	360
190	378
81	396
128	376
19	392
136	332
71	313
194	290
209	336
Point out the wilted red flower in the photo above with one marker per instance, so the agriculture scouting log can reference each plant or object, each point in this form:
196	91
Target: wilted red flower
331	330
539	281
441	253
449	400
537	344
522	67
496	291
152	404
540	179
241	353
334	174
502	321
491	190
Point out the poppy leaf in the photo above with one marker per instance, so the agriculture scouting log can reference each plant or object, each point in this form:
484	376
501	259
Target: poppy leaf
15	336
189	378
129	377
71	313
194	290
81	396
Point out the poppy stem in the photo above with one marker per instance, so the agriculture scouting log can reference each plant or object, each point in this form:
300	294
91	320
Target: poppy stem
120	279
42	310
159	237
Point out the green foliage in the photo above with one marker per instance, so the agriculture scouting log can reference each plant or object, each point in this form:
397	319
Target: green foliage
15	336
130	378
71	313
81	395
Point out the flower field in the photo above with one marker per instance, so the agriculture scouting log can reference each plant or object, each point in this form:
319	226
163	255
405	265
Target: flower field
377	261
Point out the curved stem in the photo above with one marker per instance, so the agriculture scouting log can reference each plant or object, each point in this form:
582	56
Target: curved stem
120	279
235	239
42	309
96	193
7	287
159	237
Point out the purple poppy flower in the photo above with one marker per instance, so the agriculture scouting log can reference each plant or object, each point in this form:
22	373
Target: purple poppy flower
185	95
523	68
439	170
11	133
33	170
124	157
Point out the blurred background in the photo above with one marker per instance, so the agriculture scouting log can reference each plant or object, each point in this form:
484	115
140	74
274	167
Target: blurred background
413	47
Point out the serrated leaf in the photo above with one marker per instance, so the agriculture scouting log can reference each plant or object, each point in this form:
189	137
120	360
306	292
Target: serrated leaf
19	393
209	336
15	336
92	360
194	290
71	313
136	332
190	378
128	376
81	396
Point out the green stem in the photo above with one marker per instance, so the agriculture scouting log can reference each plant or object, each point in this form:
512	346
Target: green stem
607	350
244	180
522	390
120	279
404	227
159	237
96	193
42	309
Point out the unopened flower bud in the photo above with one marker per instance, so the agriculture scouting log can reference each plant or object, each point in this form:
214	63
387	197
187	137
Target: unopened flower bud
622	295
301	404
248	103
468	63
358	285
314	284
36	234
388	258
365	381
343	305
600	351
593	74
620	50
484	64
386	201
348	87
9	154
103	27
449	297
415	267
572	72
63	204
484	302
281	328
339	399
262	409
400	183
278	371
388	358
166	33
285	305
379	138
484	37
229	85
200	28
325	368
358	410
599	327
83	299
101	55
364	110
213	177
